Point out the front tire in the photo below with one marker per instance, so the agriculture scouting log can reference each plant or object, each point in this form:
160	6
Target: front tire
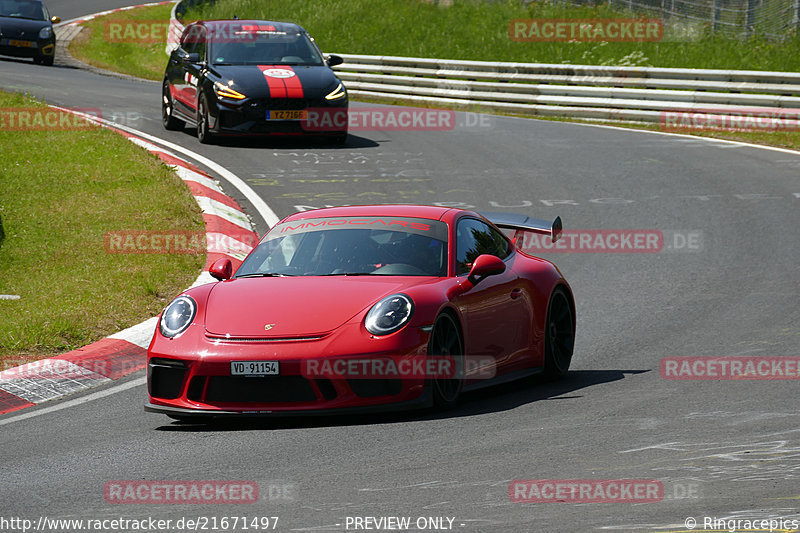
204	134
446	341
559	335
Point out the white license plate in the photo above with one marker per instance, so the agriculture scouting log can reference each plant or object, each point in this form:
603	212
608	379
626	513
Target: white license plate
255	368
287	115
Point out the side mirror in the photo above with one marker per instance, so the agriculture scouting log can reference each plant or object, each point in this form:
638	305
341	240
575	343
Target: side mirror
334	60
221	269
485	265
194	57
55	20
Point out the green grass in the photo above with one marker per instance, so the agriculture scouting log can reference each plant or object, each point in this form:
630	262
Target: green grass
477	29
60	193
98	46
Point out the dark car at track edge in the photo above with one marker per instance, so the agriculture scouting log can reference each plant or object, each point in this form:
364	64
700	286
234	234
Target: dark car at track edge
250	77
26	30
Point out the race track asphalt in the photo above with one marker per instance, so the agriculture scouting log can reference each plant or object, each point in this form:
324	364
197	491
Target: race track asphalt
726	283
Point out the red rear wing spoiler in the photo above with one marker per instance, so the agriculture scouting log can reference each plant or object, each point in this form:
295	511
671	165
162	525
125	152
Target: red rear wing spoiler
523	223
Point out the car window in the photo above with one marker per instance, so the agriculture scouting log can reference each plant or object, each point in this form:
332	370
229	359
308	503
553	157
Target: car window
307	248
193	41
473	238
26	9
266	47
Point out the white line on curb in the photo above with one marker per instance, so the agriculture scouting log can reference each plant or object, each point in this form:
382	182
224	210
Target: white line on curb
190	175
77	401
140	334
209	206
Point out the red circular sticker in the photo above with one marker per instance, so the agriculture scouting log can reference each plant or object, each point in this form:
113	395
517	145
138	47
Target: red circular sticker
279	73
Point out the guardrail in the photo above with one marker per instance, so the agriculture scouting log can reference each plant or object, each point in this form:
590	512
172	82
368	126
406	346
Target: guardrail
642	94
597	92
176	27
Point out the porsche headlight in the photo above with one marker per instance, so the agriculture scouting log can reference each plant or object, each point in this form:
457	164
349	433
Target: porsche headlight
177	316
224	91
389	315
337	93
45	33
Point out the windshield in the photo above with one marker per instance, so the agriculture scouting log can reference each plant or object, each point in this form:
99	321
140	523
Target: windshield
351	246
24	9
251	46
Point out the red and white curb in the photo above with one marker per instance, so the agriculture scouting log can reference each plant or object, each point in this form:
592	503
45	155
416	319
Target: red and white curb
86	18
126	352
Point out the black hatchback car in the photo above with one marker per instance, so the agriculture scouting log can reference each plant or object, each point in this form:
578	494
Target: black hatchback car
251	77
26	30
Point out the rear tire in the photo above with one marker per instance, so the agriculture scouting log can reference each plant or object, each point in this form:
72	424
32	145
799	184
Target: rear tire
168	111
559	335
446	341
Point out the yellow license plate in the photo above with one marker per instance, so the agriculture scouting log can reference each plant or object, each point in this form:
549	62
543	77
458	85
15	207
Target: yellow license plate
287	115
24	44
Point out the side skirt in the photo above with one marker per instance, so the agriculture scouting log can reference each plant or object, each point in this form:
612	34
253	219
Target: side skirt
505	378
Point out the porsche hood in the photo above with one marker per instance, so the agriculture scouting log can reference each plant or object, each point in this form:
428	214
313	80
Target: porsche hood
293	306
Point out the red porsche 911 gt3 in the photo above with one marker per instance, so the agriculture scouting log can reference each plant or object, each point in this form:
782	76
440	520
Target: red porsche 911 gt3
350	309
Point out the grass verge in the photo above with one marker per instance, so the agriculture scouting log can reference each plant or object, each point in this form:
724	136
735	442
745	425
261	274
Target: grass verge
60	193
131	42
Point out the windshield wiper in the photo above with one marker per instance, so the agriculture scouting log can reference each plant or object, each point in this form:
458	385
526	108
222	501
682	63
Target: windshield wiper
264	275
349	274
